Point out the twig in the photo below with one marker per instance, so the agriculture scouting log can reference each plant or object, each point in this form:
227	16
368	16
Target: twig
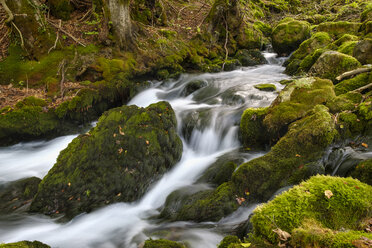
8	11
85	15
20	34
179	12
55	43
2	38
363	88
67	33
353	72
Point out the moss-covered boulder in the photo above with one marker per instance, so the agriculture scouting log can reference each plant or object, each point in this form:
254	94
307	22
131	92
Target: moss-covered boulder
332	64
353	83
363	171
338	29
129	145
25	244
295	100
228	240
15	195
193	86
321	212
345	102
291	159
363	51
288	35
253	133
265	87
162	243
250	57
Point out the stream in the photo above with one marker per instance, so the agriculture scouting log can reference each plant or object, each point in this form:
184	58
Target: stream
208	122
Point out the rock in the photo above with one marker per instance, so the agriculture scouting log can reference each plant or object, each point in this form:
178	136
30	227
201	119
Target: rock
162	243
18	194
265	87
353	83
363	171
348	101
250	57
366	15
252	132
363	51
332	64
250	37
228	240
114	162
312	218
338	29
288	35
295	100
231	65
61	9
25	244
193	86
347	47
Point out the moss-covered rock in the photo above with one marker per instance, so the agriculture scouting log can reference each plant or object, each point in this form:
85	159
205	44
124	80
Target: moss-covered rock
162	243
345	102
290	160
228	240
249	37
308	61
61	9
321	212
363	51
353	83
193	86
363	171
265	87
128	145
288	35
332	64
338	29
295	100
17	194
25	244
253	133
347	47
250	57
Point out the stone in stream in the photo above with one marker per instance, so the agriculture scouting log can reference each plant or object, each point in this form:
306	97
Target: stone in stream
116	161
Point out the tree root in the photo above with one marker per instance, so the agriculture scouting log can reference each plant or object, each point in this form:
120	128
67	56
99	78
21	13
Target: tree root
8	11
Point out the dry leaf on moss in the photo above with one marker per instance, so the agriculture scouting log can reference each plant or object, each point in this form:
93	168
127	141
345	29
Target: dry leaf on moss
328	193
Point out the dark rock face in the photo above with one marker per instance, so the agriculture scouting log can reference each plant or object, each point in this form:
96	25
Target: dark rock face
116	161
363	51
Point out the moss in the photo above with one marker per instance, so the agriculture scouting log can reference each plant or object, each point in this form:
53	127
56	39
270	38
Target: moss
345	38
347	47
363	171
290	160
293	210
31	101
350	124
209	205
295	100
332	64
250	57
347	101
231	65
218	173
10	66
25	244
310	60
265	87
365	110
252	132
134	144
353	83
366	15
288	35
363	51
338	29
162	243
230	239
249	37
265	28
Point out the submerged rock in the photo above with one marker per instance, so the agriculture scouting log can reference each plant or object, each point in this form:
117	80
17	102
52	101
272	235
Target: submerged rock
321	212
162	243
332	64
288	35
116	161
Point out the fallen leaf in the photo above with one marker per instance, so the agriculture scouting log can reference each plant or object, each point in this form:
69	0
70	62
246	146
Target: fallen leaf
328	193
245	244
356	187
365	145
283	235
147	142
240	200
69	184
298	155
114	135
118	194
70	198
120	150
120	131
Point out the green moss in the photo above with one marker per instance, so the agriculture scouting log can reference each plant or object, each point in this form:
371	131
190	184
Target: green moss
288	35
347	47
162	243
338	29
290	160
309	60
365	110
250	37
345	38
134	144
265	28
218	173
307	202
363	171
31	101
366	15
10	66
347	101
265	87
252	131
295	100
230	239
332	64
353	83
25	244
350	124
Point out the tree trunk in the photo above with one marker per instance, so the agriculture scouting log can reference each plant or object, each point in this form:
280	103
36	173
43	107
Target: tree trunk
119	11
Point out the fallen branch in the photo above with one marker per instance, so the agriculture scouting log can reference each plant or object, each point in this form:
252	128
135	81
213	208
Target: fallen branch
361	89
353	72
55	43
8	11
67	33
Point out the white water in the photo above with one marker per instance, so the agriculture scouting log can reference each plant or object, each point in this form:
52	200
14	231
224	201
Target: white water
217	107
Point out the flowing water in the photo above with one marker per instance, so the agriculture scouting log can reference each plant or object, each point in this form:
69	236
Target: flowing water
208	120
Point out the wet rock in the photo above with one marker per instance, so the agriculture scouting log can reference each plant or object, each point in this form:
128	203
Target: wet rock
18	194
265	87
250	57
114	162
288	35
332	64
162	243
231	65
323	210
363	51
193	86
252	132
363	172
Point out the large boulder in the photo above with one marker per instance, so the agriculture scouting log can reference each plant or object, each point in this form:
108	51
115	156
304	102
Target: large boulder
324	211
338	29
363	51
288	35
332	64
116	161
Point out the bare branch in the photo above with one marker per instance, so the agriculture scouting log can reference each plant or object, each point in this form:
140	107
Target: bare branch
353	72
67	33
